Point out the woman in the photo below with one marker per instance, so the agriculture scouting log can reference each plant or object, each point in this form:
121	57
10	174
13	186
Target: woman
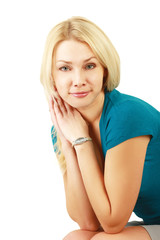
107	143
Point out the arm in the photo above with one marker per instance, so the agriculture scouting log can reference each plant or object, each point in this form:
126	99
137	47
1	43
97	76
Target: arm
113	198
77	202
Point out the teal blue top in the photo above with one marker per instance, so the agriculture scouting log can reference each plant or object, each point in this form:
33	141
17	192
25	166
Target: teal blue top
124	117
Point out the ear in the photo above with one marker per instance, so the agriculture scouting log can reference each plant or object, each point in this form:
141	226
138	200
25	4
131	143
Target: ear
105	76
105	73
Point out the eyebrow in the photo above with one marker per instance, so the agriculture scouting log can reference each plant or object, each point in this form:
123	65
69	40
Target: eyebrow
86	60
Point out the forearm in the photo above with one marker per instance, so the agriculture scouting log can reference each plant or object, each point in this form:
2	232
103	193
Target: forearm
78	204
93	179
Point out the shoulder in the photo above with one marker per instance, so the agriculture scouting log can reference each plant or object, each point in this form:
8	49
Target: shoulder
126	117
121	106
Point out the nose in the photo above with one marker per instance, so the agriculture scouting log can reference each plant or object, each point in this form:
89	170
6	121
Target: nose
79	79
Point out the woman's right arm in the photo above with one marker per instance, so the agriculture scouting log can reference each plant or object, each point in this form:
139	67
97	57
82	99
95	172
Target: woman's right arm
77	202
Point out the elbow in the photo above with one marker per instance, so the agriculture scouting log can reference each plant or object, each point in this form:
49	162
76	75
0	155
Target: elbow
89	226
88	223
114	222
113	227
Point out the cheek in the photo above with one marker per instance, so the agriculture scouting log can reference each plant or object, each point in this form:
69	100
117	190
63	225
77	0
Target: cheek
61	80
98	80
62	88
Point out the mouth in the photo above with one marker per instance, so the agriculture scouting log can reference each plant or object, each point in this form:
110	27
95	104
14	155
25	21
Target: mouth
80	94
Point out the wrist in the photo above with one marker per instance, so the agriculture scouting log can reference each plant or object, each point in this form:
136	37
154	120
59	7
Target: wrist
82	147
69	153
67	146
80	141
78	134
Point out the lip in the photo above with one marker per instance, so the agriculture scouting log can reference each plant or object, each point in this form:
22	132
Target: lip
80	94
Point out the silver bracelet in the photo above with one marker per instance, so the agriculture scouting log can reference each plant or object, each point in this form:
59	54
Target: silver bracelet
81	140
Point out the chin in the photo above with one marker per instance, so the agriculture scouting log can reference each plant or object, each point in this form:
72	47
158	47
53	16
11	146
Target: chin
81	102
79	105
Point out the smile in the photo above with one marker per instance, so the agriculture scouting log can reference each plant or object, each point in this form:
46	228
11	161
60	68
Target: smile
80	94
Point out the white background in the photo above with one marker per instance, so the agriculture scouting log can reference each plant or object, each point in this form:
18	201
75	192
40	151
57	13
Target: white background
32	203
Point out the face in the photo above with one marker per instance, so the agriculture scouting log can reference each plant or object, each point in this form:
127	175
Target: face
77	73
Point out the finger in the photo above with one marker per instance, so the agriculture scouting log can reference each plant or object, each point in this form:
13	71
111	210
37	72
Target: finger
61	105
50	103
51	109
52	112
57	108
54	120
68	107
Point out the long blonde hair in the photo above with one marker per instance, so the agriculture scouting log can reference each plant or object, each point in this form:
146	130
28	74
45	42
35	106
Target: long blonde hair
82	30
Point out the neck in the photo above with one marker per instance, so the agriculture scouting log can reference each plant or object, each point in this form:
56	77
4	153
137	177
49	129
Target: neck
92	113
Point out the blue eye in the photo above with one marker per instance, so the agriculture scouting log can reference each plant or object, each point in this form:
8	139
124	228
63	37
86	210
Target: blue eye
64	69
90	66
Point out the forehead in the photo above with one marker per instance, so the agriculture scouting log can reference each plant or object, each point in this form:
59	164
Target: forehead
72	49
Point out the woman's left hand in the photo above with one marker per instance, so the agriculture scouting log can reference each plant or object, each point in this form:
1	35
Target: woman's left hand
70	121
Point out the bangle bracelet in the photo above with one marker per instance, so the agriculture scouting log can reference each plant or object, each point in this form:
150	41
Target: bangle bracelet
81	140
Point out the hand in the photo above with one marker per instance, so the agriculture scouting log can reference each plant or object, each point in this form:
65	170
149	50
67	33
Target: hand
65	143
71	124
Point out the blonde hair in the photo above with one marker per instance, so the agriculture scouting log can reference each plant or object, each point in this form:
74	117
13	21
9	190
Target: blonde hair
82	30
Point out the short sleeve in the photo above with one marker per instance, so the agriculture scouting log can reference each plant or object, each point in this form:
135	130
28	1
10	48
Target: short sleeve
126	120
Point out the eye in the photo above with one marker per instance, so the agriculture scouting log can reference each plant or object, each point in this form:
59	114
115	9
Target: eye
64	68
90	66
